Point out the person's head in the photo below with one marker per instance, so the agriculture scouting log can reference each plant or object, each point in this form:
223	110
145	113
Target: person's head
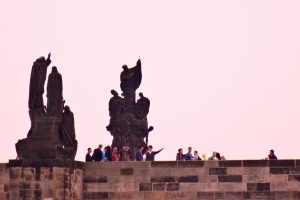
114	93
89	150
54	69
195	152
67	109
108	149
190	149
142	148
214	154
100	146
125	68
115	149
218	156
271	151
180	151
150	147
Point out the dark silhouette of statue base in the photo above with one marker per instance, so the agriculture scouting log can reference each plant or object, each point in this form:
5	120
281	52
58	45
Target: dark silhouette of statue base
52	132
128	117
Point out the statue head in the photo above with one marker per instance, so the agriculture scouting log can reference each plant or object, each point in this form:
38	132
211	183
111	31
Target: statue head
141	94
125	68
67	109
114	93
54	69
41	59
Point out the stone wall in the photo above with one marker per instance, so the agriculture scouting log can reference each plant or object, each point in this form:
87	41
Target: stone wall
248	179
236	179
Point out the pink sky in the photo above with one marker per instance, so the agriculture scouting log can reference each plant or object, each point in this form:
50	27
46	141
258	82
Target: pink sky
221	76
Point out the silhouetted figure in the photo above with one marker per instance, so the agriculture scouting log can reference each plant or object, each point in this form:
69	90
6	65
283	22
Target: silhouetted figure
88	157
54	93
272	155
97	154
150	155
143	105
37	82
116	105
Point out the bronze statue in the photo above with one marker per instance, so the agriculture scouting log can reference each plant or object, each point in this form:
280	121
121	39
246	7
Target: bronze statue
37	82
52	132
54	93
128	118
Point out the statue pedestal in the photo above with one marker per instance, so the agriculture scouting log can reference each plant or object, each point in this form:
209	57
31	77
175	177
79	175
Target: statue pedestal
44	142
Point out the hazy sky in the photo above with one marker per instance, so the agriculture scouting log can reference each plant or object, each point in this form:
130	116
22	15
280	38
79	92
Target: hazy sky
221	75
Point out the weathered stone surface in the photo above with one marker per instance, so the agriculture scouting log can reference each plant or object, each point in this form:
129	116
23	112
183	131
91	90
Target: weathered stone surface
251	187
171	164
294	178
188	179
95	179
172	186
163	179
282	163
255	163
205	195
159	186
218	171
263	195
295	170
145	187
279	170
230	163
126	171
230	178
190	163
263	187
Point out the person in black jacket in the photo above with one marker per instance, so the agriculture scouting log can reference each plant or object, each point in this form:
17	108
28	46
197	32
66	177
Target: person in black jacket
139	154
88	157
108	154
150	155
97	154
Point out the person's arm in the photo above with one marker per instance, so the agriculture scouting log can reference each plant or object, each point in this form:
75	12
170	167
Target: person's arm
156	152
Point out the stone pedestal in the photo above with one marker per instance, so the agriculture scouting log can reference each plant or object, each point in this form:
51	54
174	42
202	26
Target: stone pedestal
44	142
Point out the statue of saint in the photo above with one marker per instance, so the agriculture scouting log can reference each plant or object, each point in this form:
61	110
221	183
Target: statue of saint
116	105
142	106
68	128
37	82
54	93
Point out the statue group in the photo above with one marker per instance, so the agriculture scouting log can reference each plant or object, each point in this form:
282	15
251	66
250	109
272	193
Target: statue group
52	131
128	118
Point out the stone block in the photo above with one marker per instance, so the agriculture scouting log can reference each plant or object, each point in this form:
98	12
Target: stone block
125	195
208	187
172	186
236	195
190	164
219	195
282	163
297	163
227	186
278	186
205	195
101	179
188	186
159	186
279	170
126	171
293	186
218	171
188	179
251	187
294	178
211	163
288	195
234	170
163	179
170	164
230	163
145	187
256	178
208	179
230	178
255	163
255	170
263	195
295	170
262	187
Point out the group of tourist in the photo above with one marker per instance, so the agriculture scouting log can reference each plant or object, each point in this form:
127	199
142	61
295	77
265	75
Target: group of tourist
124	154
147	154
190	156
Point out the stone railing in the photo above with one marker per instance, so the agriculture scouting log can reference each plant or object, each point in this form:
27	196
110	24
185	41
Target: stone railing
233	179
